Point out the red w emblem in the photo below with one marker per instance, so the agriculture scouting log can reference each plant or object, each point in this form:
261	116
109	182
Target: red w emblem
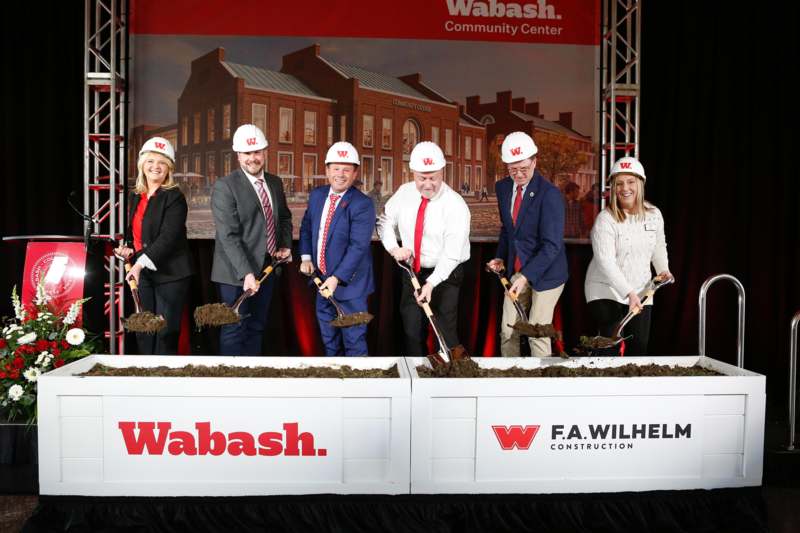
160	146
342	153
625	165
251	141
519	437
427	161
516	151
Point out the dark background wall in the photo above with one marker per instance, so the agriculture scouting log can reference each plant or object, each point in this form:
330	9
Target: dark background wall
719	113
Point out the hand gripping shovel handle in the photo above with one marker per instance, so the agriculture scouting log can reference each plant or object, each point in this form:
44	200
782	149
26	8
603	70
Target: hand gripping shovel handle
652	286
507	288
137	302
326	293
265	274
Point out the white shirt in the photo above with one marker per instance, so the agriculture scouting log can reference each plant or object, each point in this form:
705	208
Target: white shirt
253	182
445	237
323	218
623	252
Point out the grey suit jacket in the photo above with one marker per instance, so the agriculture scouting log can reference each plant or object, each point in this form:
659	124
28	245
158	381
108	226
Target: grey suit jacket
241	232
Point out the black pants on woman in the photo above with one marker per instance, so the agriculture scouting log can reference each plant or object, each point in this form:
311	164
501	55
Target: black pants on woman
165	299
444	304
608	313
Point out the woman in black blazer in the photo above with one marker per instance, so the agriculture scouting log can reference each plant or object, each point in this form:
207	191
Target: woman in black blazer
156	226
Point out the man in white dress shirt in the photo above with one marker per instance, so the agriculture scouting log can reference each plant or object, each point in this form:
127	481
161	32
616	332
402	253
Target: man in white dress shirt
433	221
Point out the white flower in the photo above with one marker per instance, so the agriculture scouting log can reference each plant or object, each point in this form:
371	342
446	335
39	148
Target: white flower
32	374
74	309
75	336
28	337
44	358
41	295
15	392
19	310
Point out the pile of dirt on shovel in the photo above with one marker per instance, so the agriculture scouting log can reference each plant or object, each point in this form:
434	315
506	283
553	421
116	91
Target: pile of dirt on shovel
468	368
222	371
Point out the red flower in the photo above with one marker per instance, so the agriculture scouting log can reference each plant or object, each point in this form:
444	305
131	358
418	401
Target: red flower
14	374
42	345
64	344
55	351
8	366
3	343
2	375
58	363
18	362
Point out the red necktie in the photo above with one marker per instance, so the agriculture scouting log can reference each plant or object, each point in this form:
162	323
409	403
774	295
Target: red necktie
418	229
331	208
267	207
514	213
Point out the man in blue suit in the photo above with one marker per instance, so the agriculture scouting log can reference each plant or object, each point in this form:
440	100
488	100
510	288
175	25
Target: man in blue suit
531	242
335	239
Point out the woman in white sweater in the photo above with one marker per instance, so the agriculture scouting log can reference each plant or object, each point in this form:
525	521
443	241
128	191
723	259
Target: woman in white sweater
627	236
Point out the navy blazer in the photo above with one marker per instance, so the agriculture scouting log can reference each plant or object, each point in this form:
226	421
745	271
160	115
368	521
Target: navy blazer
163	234
538	236
347	251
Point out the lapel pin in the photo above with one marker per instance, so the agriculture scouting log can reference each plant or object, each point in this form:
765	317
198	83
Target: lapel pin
531	194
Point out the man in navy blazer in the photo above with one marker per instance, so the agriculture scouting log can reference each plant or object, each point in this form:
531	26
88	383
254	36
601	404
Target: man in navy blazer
531	242
335	239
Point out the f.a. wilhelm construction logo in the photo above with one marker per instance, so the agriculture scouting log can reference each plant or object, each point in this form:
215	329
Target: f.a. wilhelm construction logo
157	438
590	436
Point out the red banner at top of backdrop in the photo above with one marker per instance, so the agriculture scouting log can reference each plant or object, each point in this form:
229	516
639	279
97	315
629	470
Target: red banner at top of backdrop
538	21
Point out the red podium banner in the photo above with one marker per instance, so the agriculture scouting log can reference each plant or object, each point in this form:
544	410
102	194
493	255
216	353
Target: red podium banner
62	267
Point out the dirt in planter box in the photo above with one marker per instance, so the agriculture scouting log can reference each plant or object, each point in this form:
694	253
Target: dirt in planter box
222	371
468	368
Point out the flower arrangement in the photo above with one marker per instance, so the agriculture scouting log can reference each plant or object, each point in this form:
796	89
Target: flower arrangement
39	338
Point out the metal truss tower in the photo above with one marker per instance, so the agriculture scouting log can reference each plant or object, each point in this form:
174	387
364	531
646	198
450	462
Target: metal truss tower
104	127
620	67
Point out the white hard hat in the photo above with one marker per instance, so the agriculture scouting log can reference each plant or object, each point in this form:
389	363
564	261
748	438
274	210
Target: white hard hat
627	165
518	146
159	145
249	138
426	157
342	152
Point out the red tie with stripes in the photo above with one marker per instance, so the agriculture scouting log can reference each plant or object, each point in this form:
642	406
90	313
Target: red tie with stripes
418	229
514	213
268	215
331	208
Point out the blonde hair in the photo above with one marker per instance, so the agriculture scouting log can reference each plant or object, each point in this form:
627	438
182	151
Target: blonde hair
141	181
640	206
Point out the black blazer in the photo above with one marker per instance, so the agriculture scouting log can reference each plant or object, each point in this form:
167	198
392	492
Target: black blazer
163	234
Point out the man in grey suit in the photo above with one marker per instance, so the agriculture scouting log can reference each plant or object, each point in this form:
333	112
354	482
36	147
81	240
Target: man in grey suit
253	226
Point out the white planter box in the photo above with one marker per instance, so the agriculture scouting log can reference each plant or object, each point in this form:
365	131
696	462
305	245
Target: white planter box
543	435
157	436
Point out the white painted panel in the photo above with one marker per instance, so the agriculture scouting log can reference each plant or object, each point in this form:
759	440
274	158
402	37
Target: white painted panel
724	404
366	438
453	407
81	405
722	466
82	470
365	470
448	470
724	434
453	438
366	407
81	437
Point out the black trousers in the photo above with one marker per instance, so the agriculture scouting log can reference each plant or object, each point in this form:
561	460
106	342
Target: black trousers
444	303
608	313
166	299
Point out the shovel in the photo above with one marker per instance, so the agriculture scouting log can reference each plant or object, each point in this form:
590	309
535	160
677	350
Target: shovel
445	354
141	321
220	314
609	342
342	320
522	325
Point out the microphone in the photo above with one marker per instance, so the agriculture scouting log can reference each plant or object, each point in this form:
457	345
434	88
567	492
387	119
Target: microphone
87	233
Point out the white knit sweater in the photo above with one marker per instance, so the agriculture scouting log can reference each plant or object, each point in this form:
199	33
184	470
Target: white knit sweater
623	252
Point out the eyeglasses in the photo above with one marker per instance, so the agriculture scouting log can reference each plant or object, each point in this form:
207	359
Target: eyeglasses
522	171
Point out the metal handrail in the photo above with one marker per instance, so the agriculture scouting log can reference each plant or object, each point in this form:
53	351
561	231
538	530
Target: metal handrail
793	376
702	305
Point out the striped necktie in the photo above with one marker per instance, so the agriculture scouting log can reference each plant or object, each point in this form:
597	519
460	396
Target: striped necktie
268	215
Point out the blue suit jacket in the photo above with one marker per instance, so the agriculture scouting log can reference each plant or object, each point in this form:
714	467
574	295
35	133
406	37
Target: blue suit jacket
347	252
538	236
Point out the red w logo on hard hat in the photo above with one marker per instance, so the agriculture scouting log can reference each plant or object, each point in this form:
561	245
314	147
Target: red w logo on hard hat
516	151
251	141
427	161
625	165
519	437
342	153
160	146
